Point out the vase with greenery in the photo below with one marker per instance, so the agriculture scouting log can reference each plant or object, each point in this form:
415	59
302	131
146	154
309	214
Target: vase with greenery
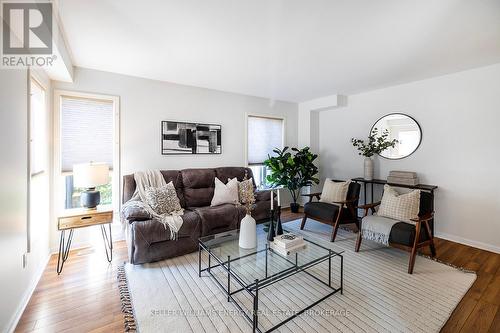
374	145
293	170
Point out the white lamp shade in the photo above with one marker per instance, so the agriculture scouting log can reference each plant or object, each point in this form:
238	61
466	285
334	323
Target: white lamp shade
89	175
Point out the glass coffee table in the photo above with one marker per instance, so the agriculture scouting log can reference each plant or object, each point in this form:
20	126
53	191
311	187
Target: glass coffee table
240	271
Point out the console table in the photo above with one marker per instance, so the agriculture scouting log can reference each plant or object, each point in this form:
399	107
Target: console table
423	187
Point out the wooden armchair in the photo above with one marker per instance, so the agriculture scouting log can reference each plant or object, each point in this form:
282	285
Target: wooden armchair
342	212
407	236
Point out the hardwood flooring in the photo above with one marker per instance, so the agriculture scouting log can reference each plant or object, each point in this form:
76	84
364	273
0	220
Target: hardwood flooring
84	298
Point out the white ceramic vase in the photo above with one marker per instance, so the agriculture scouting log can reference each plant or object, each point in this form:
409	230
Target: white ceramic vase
248	233
368	168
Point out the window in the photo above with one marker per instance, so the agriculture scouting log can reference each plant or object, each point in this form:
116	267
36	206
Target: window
263	135
38	129
87	133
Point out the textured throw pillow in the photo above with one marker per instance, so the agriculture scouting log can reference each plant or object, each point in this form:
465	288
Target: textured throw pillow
243	187
334	191
401	207
225	193
163	200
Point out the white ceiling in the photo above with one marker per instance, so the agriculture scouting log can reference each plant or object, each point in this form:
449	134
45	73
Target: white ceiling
292	50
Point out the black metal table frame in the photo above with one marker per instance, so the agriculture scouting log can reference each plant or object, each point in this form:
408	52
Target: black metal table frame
253	288
65	246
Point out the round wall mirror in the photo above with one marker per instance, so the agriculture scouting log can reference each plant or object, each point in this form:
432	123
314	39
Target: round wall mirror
403	128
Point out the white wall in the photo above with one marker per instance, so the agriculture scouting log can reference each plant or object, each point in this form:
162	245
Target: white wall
460	118
16	282
145	103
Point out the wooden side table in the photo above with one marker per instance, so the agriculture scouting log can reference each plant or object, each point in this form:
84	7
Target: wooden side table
76	218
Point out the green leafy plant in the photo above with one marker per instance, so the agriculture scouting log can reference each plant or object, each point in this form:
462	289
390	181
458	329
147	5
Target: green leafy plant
292	169
375	145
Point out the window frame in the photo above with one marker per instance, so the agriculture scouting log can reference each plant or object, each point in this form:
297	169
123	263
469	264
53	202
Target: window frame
265	116
33	79
58	174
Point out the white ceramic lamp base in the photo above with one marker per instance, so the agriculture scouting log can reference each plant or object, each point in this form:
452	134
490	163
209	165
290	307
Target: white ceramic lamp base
248	233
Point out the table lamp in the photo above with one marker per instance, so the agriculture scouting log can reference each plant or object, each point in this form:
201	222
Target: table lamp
89	176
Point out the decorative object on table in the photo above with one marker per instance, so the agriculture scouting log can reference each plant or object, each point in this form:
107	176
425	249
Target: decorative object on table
403	177
400	223
79	218
180	138
292	170
271	232
279	227
287	244
376	144
333	212
89	176
248	227
405	130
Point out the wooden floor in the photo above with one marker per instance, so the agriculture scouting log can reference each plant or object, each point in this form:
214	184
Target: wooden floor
84	298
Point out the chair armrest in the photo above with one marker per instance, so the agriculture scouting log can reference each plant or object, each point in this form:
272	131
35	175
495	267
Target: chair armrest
370	205
312	195
424	218
345	202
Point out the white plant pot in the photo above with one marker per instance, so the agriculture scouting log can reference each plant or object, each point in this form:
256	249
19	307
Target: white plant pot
368	168
248	233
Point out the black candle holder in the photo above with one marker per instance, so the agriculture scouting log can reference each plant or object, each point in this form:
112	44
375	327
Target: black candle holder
271	232
279	227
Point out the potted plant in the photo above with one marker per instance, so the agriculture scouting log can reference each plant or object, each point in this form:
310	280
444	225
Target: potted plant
375	145
292	170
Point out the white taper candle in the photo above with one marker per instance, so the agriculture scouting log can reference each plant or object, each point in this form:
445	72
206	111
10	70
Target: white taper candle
272	200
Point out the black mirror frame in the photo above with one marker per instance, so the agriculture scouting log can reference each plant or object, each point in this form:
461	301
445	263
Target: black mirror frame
419	128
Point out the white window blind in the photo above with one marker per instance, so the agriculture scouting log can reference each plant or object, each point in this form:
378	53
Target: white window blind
38	129
264	135
86	131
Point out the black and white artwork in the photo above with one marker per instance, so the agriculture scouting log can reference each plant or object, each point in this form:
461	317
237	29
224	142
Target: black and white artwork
179	138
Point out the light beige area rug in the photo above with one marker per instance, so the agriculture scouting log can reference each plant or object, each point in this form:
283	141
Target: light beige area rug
379	295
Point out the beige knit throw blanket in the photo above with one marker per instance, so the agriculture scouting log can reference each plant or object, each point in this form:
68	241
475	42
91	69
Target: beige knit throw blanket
154	178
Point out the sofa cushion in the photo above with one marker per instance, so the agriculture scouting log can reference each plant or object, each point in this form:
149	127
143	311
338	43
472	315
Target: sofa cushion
152	231
219	218
198	186
404	233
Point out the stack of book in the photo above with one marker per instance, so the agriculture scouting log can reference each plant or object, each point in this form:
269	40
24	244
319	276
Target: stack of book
403	178
287	244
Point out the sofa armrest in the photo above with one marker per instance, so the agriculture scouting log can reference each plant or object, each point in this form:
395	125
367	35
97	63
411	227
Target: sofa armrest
135	213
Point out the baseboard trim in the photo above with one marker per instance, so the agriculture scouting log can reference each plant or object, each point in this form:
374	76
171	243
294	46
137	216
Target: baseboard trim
27	296
469	242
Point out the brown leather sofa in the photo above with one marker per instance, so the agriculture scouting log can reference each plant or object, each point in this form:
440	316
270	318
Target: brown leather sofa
149	241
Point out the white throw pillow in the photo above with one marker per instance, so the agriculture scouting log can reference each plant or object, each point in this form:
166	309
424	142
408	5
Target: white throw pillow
225	193
401	207
334	191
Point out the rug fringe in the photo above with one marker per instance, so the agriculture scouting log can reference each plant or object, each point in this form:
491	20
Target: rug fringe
127	309
465	270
